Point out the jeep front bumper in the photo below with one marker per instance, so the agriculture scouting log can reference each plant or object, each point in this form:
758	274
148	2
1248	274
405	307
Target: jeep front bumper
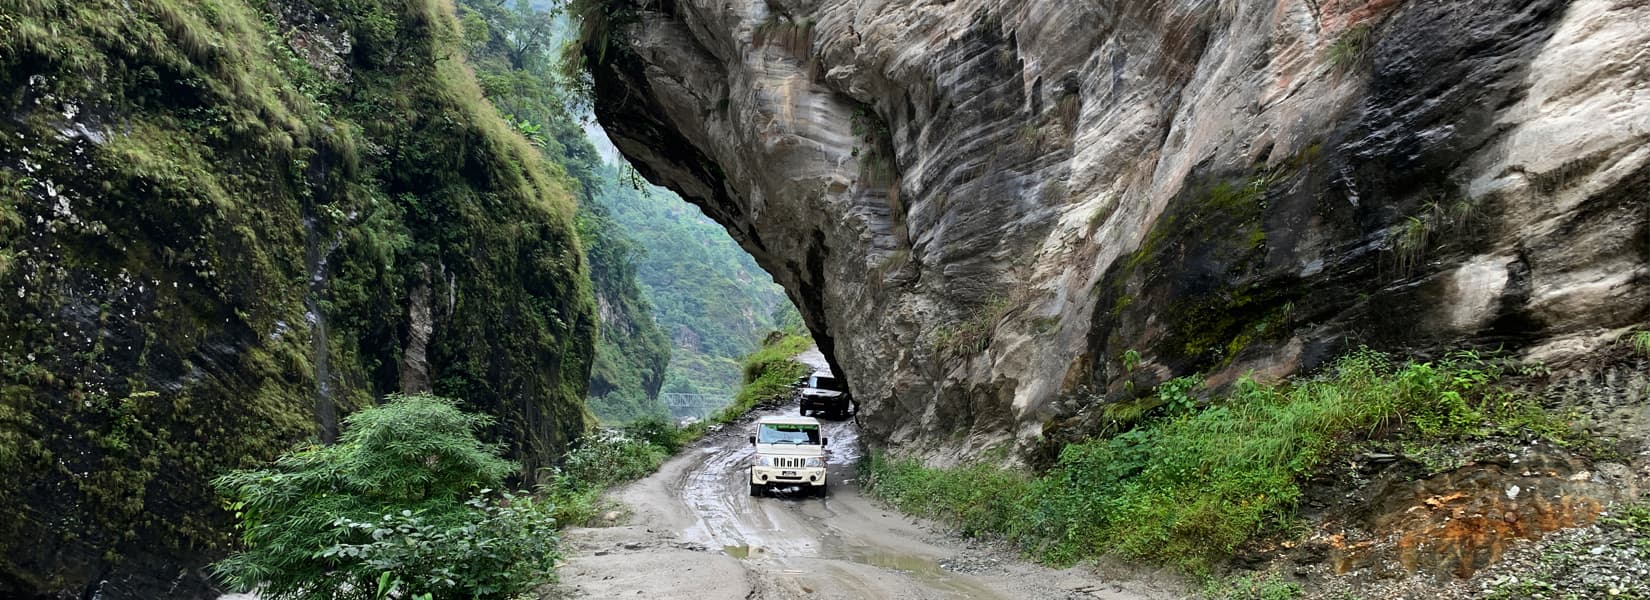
787	476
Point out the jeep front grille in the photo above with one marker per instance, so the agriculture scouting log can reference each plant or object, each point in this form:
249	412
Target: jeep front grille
789	463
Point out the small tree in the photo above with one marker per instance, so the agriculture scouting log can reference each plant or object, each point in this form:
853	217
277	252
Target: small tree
404	499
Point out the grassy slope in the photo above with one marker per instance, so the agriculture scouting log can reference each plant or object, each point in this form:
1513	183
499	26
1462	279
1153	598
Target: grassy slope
1189	485
162	159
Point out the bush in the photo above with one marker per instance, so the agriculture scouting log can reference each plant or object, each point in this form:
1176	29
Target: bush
658	431
604	459
1189	487
405	496
497	550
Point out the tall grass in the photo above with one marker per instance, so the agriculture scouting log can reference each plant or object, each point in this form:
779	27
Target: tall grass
1188	488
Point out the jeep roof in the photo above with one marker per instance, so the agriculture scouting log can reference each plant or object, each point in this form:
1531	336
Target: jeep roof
784	420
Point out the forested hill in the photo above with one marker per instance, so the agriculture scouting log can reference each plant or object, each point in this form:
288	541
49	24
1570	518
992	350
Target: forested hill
712	299
225	224
709	297
513	48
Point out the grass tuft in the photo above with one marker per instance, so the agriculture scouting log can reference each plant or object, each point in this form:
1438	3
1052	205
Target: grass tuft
1349	49
1640	341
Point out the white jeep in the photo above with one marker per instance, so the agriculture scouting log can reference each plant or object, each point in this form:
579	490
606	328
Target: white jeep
790	451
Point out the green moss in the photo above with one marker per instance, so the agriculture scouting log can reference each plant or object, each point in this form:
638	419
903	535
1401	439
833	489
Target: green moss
161	334
1224	323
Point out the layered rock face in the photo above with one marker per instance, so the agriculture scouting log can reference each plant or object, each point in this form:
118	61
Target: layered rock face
988	210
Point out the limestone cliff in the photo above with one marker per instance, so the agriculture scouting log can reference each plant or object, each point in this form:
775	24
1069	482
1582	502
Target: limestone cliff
982	206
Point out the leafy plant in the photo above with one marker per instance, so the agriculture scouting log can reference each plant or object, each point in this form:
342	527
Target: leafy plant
1131	359
1640	341
407	492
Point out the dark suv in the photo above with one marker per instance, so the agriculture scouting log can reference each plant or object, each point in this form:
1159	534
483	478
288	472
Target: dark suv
822	392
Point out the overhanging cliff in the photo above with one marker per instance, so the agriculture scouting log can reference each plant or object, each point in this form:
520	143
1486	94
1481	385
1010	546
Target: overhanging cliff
987	210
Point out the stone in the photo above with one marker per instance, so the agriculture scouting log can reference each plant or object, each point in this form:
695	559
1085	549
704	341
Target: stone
980	207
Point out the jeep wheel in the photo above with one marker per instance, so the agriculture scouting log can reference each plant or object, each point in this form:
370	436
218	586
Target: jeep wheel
819	491
757	489
802	411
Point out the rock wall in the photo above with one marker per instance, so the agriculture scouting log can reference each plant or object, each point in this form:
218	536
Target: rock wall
987	210
222	226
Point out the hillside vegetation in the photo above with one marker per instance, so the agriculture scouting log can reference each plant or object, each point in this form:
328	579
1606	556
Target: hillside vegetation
1186	483
224	225
513	47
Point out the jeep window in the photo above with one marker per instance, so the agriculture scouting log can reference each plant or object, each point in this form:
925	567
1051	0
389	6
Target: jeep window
779	433
824	382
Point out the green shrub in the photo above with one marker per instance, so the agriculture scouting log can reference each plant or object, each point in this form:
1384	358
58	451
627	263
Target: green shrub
1188	487
407	491
497	550
657	431
604	459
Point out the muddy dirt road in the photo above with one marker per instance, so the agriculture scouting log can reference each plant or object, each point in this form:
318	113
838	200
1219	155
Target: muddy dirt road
695	532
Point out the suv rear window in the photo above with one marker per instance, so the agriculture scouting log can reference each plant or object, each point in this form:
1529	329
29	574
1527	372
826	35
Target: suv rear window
825	382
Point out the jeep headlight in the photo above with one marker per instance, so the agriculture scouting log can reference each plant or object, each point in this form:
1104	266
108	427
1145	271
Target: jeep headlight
764	461
814	462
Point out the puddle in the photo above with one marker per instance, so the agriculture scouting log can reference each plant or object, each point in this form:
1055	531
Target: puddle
881	558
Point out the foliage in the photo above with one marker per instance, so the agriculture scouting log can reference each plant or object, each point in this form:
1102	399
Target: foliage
405	491
697	284
657	431
771	375
1268	585
973	334
711	297
1349	48
1640	341
1253	586
1439	220
1189	487
607	458
241	226
502	548
511	46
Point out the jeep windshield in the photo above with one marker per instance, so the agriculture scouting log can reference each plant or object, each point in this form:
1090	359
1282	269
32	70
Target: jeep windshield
782	433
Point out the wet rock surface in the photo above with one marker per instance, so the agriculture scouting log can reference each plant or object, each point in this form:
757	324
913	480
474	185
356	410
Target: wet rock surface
979	206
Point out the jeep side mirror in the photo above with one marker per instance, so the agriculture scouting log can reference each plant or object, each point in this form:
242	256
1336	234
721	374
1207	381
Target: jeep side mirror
753	440
824	440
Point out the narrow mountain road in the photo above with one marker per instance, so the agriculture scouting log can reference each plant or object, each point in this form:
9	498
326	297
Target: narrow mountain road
695	532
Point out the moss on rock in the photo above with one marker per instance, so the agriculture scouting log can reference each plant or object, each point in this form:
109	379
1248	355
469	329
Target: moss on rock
190	194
